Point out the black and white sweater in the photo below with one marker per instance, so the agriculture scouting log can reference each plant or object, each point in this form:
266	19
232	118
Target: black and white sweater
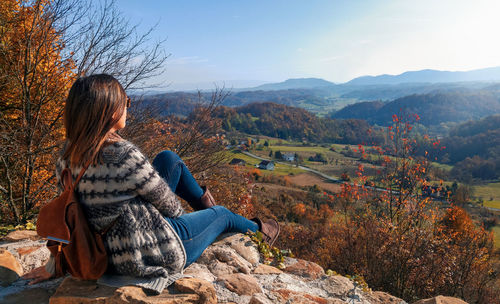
125	186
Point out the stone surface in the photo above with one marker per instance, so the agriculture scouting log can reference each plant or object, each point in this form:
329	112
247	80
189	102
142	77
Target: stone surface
290	296
219	269
338	286
240	283
232	259
20	235
227	272
27	250
200	271
10	269
303	268
30	254
266	269
243	245
33	259
202	288
31	296
260	298
224	260
75	291
380	297
441	300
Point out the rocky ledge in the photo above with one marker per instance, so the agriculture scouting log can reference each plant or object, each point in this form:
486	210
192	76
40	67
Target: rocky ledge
229	271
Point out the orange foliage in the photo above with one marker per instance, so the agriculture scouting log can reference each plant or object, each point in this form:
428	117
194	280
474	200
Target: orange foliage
34	82
398	240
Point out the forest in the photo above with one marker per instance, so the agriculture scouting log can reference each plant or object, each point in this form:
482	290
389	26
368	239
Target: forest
433	108
281	121
473	148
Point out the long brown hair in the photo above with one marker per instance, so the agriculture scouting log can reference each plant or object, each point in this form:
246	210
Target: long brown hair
88	116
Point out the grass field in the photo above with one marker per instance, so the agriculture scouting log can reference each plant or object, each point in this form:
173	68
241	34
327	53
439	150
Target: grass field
279	169
490	193
314	149
442	166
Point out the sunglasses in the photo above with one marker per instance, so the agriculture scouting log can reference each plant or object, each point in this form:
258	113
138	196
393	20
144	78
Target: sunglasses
128	102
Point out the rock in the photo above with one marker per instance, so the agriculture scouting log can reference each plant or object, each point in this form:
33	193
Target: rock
20	235
240	283
202	288
10	269
27	250
33	259
380	297
295	297
243	245
129	294
266	269
219	269
441	300
31	296
260	298
303	268
338	286
200	271
232	259
75	291
228	257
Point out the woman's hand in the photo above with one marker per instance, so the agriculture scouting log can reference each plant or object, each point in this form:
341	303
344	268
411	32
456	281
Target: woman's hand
39	274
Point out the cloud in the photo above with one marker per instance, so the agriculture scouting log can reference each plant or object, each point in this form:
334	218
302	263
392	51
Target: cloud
187	60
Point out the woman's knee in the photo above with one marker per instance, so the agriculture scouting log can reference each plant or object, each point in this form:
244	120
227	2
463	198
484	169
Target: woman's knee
221	210
167	158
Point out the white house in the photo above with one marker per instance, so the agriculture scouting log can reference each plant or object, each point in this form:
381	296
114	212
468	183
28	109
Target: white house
289	157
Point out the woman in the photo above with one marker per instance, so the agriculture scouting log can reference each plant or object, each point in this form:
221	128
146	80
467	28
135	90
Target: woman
150	238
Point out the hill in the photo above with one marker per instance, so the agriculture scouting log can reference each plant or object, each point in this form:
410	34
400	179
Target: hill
433	109
297	83
473	148
430	76
282	121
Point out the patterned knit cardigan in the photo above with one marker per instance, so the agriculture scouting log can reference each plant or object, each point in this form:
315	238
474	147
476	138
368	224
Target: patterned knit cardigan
125	186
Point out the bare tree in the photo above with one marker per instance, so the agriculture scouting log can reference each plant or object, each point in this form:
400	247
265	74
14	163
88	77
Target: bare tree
45	45
103	41
197	138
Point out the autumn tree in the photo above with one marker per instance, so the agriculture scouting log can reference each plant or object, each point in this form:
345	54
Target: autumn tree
398	240
45	45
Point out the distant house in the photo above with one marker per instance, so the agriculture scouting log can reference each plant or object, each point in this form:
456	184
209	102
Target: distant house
289	157
266	165
237	162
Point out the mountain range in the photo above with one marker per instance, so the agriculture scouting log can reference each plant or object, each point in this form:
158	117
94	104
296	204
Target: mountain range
412	77
431	76
428	93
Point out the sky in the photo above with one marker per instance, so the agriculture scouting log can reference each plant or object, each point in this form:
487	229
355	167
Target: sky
246	43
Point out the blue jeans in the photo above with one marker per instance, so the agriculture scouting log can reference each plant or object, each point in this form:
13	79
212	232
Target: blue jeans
199	229
177	175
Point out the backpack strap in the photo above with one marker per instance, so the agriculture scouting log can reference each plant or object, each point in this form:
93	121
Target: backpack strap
77	180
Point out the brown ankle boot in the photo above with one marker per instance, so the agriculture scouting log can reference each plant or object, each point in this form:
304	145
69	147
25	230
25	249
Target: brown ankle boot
206	200
270	230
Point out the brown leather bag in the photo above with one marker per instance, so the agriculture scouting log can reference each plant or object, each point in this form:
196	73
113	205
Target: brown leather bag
76	248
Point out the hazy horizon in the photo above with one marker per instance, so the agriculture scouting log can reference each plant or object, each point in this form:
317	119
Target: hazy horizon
232	42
